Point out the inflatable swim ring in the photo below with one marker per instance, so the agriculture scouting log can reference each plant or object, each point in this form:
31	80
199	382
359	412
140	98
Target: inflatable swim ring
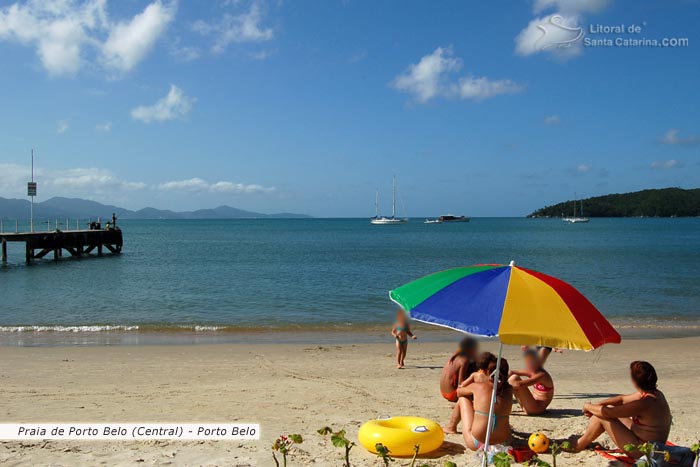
401	434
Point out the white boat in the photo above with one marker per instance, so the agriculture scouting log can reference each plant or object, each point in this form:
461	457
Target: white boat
576	219
383	220
432	221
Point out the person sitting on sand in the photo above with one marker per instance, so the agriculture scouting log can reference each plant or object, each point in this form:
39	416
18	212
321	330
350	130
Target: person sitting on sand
535	401
485	365
643	416
401	332
458	368
475	414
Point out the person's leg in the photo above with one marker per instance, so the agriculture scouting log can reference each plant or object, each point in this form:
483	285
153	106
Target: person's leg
618	431
466	410
594	430
398	354
404	351
451	427
530	405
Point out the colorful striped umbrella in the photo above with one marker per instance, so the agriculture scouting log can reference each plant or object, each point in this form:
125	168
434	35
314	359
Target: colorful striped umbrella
520	306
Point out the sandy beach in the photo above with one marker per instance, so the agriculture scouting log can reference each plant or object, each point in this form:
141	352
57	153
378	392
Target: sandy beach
295	389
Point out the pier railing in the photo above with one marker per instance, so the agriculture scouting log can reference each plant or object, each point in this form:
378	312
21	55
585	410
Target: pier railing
16	225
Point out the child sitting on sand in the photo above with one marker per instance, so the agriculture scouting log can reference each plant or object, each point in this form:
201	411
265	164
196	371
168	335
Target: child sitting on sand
458	368
485	365
401	332
535	401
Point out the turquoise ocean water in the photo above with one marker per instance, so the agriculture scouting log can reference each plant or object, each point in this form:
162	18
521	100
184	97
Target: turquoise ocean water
212	278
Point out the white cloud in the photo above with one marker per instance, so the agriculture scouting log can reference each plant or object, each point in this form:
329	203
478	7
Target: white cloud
484	88
262	55
669	164
67	34
552	120
174	105
556	34
244	27
583	168
130	41
559	33
427	78
81	181
198	185
62	127
105	127
672	137
430	78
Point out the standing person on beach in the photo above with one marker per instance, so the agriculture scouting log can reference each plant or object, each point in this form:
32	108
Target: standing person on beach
458	368
536	400
401	332
641	417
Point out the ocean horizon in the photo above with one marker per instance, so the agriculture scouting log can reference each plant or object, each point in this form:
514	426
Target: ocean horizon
195	281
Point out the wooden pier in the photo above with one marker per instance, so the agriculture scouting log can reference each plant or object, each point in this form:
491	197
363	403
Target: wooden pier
77	243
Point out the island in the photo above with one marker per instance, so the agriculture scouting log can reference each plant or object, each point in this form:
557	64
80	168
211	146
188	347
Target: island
664	202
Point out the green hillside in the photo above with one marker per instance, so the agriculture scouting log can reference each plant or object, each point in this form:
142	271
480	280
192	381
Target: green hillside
666	202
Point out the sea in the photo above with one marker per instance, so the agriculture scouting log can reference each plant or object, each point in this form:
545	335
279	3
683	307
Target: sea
326	280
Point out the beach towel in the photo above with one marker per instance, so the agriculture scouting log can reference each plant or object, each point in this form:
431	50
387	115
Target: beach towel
678	456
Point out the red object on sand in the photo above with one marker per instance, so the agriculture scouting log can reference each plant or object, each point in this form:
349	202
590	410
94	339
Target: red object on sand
521	454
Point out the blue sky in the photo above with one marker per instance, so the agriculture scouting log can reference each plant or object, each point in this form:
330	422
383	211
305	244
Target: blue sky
312	106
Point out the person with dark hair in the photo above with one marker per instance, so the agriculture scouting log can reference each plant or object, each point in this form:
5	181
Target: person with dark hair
533	386
640	417
458	368
475	413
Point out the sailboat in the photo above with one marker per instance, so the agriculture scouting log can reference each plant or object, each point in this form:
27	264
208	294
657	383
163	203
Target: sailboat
576	219
383	220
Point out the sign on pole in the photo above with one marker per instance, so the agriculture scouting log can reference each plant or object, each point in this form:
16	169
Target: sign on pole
31	189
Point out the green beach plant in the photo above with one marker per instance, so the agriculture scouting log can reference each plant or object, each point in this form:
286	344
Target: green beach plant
696	450
449	464
284	445
503	459
339	440
416	450
383	453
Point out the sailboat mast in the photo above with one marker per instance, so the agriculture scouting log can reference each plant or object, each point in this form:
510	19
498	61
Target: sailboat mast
393	197
376	203
574	205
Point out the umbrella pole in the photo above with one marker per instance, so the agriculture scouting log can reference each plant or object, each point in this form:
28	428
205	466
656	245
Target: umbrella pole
489	427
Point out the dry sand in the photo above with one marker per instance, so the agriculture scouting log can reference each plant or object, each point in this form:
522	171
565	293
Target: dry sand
294	389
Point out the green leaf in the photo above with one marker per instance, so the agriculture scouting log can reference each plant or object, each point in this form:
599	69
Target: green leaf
326	430
296	438
339	440
630	447
695	448
449	464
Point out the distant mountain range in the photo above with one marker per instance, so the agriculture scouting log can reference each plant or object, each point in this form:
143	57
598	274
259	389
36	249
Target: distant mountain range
665	202
76	208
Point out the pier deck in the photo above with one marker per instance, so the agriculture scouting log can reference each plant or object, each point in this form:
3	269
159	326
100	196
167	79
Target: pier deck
76	242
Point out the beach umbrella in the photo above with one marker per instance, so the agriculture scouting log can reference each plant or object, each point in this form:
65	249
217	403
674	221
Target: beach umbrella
519	306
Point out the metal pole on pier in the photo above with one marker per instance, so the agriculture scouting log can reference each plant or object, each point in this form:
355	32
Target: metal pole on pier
31	192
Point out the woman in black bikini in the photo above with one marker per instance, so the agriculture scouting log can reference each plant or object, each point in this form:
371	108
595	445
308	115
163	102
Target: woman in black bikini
643	416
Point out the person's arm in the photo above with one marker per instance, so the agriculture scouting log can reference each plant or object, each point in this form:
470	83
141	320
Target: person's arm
529	381
627	410
462	373
619	400
393	330
522	373
466	391
409	332
467	381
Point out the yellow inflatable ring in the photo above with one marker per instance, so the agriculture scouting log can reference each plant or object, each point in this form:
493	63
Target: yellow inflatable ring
401	434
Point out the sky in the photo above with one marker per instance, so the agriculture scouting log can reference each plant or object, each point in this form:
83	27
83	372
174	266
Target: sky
478	108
